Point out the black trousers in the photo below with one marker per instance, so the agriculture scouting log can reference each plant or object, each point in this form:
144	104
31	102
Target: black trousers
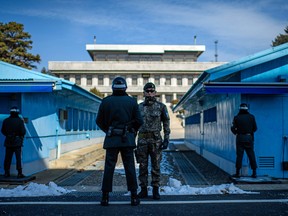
127	154
249	149
8	158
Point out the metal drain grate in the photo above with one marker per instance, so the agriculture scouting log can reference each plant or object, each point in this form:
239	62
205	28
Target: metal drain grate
189	172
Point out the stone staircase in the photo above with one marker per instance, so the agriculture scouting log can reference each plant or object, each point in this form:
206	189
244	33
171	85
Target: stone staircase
177	131
78	158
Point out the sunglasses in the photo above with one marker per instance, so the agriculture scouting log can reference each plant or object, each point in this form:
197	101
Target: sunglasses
151	91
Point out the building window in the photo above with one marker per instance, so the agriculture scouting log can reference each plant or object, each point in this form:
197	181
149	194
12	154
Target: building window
134	80
78	79
101	80
66	77
168	98
89	80
194	119
111	78
168	80
145	78
190	80
179	80
210	115
157	80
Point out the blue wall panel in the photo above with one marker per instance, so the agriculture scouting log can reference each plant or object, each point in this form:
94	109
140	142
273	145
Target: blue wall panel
45	129
270	112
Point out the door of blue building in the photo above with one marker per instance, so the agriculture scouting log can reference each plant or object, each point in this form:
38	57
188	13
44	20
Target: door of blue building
285	138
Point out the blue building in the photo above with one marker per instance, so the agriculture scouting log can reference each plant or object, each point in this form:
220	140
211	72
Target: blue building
261	81
59	115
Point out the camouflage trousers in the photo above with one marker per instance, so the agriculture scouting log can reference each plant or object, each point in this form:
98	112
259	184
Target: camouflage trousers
149	148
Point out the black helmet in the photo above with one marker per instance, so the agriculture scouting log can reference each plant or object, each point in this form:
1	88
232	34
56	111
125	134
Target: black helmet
149	85
119	83
14	109
243	106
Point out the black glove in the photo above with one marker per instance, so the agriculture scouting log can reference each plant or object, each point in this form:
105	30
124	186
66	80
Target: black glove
136	155
164	144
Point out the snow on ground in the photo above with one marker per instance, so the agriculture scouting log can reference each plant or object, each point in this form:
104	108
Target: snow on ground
174	187
34	189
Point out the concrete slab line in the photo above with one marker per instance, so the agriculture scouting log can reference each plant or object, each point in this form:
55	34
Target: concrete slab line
150	202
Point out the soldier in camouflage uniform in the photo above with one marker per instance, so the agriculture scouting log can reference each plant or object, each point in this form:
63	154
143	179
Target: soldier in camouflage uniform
150	142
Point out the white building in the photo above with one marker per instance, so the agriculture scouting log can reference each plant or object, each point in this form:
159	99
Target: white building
173	68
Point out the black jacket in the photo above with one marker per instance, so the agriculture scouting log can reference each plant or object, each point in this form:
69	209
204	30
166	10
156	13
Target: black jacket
244	123
244	126
119	110
12	127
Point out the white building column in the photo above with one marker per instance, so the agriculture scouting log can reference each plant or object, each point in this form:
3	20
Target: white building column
72	78
106	80
174	96
185	81
139	81
162	80
129	80
173	81
94	80
83	80
163	99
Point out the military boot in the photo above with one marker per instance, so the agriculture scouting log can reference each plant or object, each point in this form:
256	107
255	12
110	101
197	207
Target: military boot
143	193
105	199
237	174
7	174
20	174
134	199
156	194
254	175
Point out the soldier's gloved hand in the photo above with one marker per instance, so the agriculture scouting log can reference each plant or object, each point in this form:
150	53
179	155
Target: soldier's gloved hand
164	144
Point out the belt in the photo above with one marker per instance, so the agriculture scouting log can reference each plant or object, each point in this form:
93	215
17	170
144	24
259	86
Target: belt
146	135
248	134
117	132
13	136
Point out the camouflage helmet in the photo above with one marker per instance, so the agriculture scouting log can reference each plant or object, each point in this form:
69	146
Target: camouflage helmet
149	85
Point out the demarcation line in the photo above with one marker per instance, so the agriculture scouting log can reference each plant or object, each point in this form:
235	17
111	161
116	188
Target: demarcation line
148	202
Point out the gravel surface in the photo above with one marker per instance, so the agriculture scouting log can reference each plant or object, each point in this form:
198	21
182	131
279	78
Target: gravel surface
168	169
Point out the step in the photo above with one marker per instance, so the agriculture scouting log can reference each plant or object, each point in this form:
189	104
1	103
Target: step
78	158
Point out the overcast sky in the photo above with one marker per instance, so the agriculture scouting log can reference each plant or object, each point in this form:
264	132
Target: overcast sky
60	29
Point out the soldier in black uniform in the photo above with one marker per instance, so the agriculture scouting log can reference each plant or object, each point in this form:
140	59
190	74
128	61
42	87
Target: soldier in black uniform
14	130
244	126
120	119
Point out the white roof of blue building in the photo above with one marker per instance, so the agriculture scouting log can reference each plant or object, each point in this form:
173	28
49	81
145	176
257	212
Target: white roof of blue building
265	72
14	79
